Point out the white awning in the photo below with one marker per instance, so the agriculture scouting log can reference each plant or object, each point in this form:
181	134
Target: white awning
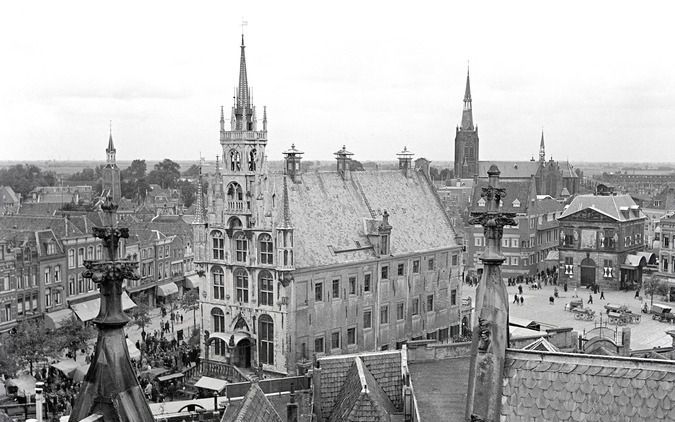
553	256
134	353
167	289
209	383
88	310
192	282
54	320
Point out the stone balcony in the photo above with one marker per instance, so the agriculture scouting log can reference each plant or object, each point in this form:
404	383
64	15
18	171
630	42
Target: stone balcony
244	135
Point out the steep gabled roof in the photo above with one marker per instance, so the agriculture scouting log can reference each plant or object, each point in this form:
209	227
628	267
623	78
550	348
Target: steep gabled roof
328	215
254	408
522	190
61	227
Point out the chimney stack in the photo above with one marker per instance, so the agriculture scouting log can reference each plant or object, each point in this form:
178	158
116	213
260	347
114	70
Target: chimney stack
343	158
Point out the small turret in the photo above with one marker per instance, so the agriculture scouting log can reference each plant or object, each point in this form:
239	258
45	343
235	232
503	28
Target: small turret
343	158
292	158
405	161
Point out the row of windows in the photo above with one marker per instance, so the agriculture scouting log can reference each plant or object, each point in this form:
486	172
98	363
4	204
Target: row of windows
82	286
78	260
241	247
241	286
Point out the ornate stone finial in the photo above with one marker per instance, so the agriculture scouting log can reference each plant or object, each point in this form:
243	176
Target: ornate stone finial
490	334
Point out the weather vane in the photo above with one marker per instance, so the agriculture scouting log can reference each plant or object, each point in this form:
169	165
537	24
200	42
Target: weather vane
243	24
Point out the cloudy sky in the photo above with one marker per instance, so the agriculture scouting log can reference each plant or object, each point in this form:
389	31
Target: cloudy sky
599	77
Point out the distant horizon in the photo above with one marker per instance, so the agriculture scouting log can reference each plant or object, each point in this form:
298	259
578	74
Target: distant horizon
590	75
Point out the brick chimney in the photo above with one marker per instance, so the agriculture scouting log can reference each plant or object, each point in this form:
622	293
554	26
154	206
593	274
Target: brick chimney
343	158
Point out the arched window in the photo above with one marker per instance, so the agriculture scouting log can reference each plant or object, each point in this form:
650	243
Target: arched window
266	339
251	159
235	160
218	320
218	245
80	257
99	252
234	223
266	249
218	283
90	252
241	247
234	192
241	285
80	283
57	274
265	288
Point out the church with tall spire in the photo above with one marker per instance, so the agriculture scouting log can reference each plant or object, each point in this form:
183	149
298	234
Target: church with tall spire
111	185
466	139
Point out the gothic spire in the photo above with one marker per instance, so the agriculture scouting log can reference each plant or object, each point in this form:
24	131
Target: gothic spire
542	148
111	146
467	116
199	211
242	90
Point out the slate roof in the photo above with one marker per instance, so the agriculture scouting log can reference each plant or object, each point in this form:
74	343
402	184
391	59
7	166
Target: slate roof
361	397
254	408
8	196
608	205
328	215
440	388
510	169
575	387
61	227
39	208
385	368
522	190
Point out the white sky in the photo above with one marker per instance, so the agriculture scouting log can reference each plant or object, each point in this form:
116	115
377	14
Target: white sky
599	77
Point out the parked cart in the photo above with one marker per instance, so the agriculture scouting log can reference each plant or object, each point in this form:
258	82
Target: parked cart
584	313
574	304
626	315
662	312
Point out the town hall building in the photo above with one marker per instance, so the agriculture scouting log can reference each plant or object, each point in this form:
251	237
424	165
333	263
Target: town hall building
297	265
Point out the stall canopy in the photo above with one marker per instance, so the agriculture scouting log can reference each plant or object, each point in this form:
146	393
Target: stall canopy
170	377
553	256
167	289
88	310
54	320
192	282
25	385
209	383
67	367
80	372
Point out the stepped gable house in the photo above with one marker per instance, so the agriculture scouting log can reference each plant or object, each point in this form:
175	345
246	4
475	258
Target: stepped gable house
300	264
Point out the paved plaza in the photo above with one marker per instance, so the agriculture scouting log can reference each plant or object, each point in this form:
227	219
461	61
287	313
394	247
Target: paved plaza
645	335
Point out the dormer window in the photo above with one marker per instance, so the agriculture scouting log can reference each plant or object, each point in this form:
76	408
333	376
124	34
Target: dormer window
384	244
481	202
515	203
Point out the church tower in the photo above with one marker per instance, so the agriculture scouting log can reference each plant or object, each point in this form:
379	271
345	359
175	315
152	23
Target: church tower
466	140
111	173
542	149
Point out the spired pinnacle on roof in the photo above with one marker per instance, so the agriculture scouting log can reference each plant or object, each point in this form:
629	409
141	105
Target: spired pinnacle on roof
111	146
542	148
242	90
467	115
199	211
110	388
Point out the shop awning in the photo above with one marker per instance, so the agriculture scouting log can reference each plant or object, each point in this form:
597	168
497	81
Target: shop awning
225	336
192	282
209	383
633	261
553	256
167	289
170	377
88	310
54	320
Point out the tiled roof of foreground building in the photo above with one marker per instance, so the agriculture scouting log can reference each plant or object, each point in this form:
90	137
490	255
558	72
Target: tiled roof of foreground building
574	387
549	386
331	215
363	387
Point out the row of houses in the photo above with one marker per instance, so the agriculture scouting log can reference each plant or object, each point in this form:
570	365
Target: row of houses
42	264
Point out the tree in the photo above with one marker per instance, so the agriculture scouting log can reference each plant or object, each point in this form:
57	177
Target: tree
137	170
655	285
165	174
355	165
190	302
23	178
140	315
32	343
188	192
192	171
86	175
74	334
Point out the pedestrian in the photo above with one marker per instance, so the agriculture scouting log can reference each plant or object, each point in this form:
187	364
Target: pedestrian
520	289
515	299
181	318
602	295
521	301
575	292
565	287
551	300
590	298
637	294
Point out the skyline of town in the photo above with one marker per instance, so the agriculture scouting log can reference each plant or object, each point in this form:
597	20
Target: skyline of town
331	78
